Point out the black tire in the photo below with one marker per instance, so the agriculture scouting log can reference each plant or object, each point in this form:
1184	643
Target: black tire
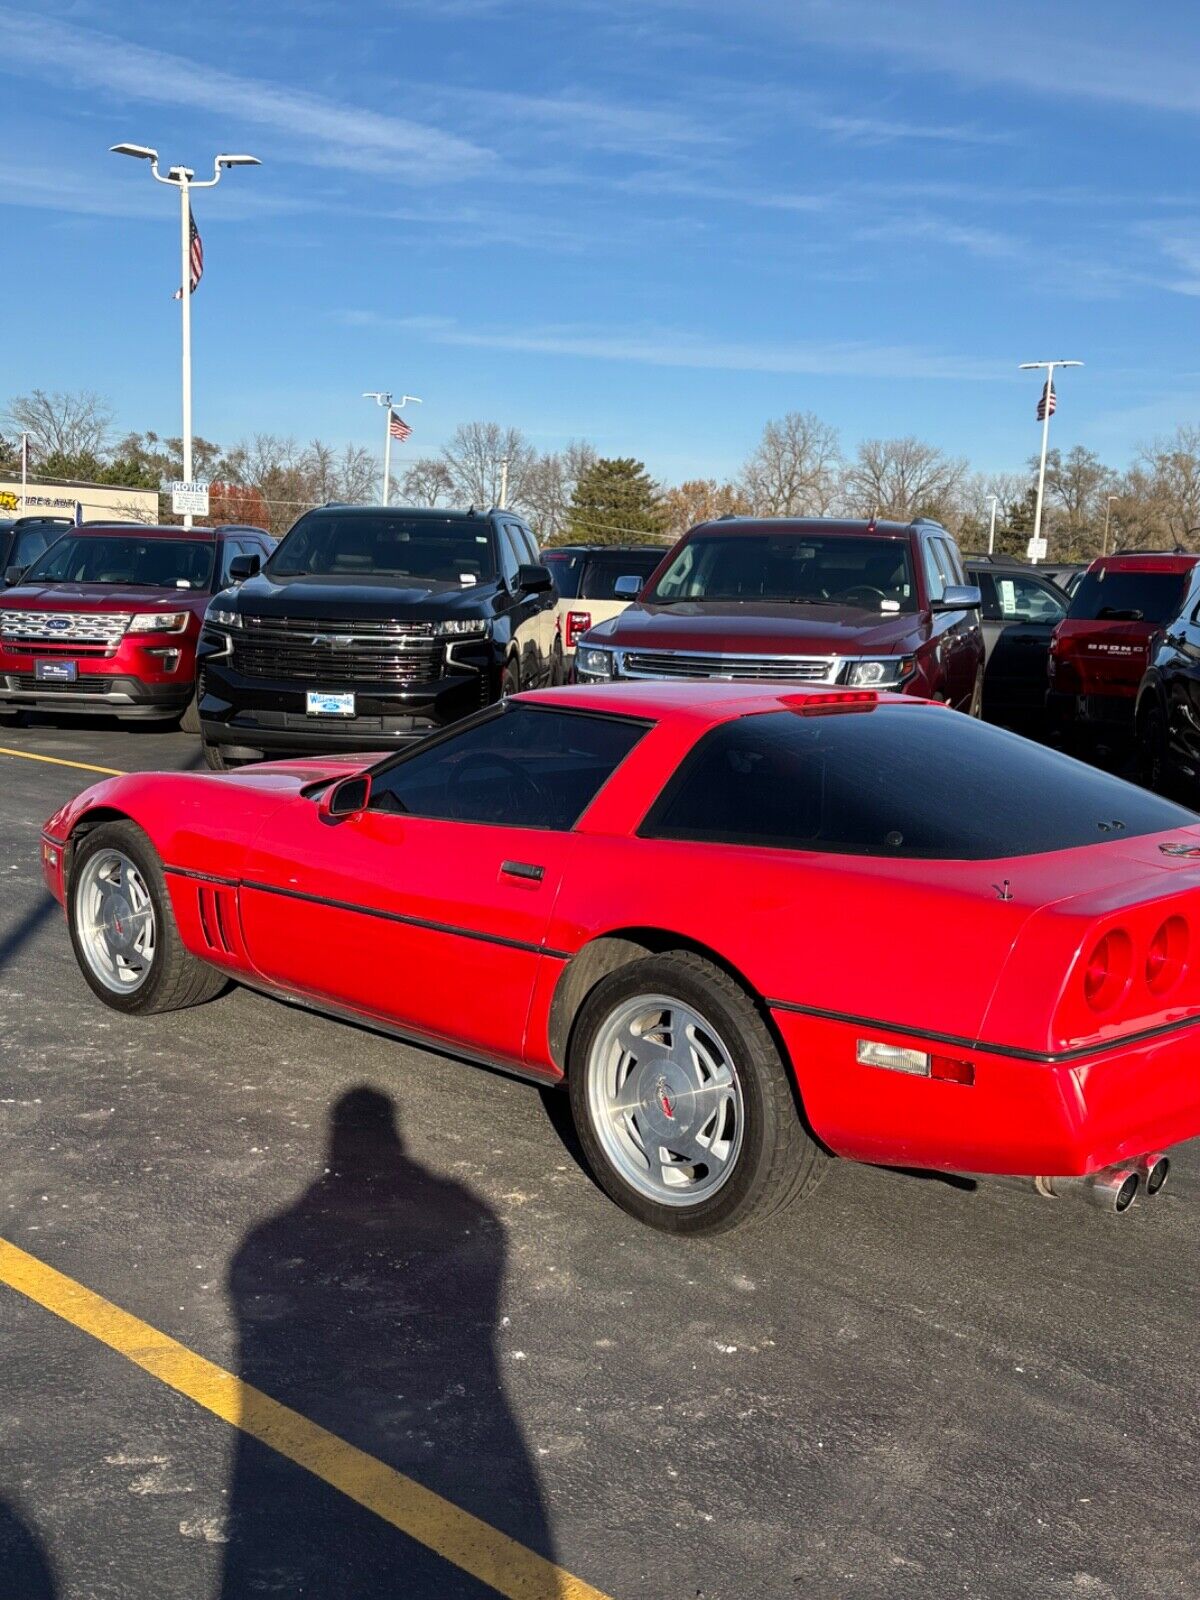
189	722
975	707
558	670
177	979
214	757
510	681
1152	750
779	1161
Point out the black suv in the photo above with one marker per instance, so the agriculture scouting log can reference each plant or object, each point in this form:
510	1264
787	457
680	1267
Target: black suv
371	626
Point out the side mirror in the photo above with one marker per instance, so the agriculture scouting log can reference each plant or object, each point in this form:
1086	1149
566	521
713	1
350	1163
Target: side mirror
13	576
534	580
959	597
628	587
347	797
243	567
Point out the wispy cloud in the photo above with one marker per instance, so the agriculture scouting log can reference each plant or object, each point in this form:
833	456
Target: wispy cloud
670	347
884	130
61	189
318	130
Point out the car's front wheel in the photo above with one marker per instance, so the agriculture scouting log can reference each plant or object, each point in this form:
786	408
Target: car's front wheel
123	929
1152	750
684	1108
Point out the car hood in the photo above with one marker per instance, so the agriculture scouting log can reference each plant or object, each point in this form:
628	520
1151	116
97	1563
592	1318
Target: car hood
99	597
748	626
354	596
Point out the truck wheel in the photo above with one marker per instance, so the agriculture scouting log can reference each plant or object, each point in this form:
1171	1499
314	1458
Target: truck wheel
686	1112
975	709
189	722
510	682
1152	751
214	758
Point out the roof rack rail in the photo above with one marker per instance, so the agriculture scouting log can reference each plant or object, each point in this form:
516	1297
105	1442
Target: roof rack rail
1152	550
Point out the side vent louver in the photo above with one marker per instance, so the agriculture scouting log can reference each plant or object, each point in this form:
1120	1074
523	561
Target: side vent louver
216	919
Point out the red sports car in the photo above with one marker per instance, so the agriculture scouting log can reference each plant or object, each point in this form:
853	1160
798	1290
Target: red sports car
749	927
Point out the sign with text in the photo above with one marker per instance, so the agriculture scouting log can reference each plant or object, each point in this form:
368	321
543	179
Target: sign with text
189	498
1036	549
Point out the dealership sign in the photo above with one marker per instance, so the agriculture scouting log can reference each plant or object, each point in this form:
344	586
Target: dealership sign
189	498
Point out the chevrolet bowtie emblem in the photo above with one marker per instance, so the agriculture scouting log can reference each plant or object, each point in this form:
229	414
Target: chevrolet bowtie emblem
1180	849
334	641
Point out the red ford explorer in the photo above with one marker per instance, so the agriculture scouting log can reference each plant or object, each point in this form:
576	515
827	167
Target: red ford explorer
1102	647
108	618
873	604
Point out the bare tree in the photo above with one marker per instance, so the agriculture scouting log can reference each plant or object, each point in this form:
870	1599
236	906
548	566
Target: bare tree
473	457
427	482
67	424
902	479
1159	497
795	469
550	484
700	500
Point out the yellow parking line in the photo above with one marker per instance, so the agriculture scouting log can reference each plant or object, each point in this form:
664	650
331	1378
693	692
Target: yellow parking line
57	761
446	1529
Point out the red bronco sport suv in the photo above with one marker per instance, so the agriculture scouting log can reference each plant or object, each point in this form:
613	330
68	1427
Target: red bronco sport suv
1102	647
108	618
878	605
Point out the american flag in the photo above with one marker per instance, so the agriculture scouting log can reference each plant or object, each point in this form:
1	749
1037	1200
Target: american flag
195	260
397	427
1048	403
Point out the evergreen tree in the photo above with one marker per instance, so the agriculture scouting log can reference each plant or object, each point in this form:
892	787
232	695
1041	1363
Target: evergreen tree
615	500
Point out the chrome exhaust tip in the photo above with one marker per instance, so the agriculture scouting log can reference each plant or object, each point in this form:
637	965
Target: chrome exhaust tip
1154	1169
1114	1191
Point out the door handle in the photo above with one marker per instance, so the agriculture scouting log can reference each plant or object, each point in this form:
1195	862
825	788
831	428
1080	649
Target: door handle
523	869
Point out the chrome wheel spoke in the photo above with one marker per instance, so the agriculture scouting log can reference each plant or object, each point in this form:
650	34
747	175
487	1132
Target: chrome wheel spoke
666	1100
115	919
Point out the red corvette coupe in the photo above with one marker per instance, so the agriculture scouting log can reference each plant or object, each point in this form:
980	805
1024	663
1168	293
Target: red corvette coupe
749	926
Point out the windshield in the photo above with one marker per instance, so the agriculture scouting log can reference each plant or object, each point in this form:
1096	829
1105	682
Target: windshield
429	549
1115	596
873	574
601	573
121	559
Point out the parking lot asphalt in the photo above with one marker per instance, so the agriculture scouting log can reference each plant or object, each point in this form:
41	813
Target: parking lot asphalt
903	1388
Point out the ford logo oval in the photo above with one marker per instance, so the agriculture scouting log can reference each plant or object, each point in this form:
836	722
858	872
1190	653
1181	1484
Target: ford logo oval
58	624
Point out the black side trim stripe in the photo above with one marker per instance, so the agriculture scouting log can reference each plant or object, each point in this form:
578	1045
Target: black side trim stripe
372	911
978	1047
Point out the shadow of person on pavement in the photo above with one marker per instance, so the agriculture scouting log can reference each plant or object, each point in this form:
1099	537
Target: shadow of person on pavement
370	1305
25	1570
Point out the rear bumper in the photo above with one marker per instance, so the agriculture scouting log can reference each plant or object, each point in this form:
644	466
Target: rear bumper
1112	710
1019	1117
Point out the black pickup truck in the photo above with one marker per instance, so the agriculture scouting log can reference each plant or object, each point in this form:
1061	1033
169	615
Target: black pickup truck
372	626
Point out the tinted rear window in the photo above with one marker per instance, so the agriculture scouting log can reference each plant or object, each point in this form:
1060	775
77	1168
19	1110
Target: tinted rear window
896	781
1114	596
601	572
565	568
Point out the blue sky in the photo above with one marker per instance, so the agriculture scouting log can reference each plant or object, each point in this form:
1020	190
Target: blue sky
655	224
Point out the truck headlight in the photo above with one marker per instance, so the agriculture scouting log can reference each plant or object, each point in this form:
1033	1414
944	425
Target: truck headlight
477	627
223	619
886	672
592	662
159	621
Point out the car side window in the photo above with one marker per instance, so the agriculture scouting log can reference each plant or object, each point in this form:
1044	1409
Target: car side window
934	580
526	542
523	768
990	609
510	556
1023	599
29	546
956	560
941	555
229	549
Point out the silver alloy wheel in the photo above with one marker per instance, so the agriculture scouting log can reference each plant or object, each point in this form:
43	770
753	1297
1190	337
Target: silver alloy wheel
114	920
664	1099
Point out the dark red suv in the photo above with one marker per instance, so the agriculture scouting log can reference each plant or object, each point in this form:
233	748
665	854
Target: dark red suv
1102	647
108	618
873	604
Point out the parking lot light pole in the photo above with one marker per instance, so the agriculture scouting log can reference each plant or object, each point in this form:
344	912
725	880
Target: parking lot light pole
184	179
383	397
1107	514
992	525
1029	366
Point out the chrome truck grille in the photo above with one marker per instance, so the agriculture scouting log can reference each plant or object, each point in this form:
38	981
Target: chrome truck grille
103	628
334	650
739	668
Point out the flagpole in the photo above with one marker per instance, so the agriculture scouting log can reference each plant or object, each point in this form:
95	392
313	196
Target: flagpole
387	451
185	300
24	469
1027	366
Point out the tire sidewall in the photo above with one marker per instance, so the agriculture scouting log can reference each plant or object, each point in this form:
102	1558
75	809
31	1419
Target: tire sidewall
754	1056
129	839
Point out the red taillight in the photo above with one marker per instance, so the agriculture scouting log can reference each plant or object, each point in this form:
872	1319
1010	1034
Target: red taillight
1166	958
949	1069
1106	974
578	623
839	700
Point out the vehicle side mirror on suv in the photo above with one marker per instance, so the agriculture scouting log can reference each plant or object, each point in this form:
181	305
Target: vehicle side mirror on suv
13	576
347	797
628	587
959	597
534	580
243	567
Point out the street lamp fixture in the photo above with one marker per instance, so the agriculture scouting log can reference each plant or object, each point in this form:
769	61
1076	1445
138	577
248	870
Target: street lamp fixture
184	179
384	397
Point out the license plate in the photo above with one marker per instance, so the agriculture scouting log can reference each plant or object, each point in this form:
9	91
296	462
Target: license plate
56	671
328	705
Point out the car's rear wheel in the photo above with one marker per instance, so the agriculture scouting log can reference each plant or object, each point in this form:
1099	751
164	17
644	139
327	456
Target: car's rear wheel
123	929
1152	750
685	1110
510	682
